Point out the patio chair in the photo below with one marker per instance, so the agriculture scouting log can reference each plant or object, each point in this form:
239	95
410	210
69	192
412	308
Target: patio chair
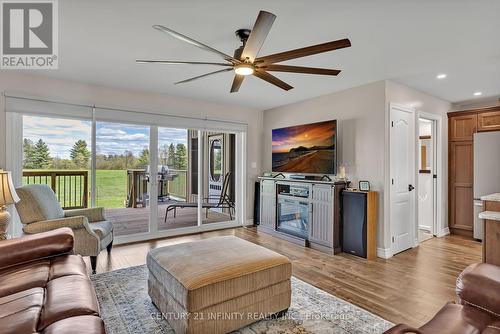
223	202
40	211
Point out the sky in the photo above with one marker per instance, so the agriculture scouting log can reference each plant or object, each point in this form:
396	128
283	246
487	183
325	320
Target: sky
308	135
112	138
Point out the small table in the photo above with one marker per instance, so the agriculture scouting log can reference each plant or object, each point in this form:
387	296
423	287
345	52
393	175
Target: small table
218	285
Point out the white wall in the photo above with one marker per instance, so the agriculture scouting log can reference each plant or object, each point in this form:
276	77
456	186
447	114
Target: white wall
68	91
360	115
422	102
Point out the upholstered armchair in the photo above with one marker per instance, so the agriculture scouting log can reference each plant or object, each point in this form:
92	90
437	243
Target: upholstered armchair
40	211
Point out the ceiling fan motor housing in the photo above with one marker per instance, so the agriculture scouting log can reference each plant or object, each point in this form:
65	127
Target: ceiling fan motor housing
243	35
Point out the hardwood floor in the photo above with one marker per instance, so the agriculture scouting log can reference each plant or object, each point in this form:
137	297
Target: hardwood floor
410	287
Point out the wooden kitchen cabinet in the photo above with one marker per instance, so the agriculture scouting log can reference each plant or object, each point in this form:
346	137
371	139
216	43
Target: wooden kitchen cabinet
461	187
462	127
488	121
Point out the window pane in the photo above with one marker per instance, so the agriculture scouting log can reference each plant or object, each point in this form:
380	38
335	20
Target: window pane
178	162
122	176
56	152
220	177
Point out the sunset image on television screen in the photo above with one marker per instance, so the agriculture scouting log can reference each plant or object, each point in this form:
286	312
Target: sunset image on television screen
308	148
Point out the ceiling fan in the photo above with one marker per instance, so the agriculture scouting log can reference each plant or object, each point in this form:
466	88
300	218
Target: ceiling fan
246	61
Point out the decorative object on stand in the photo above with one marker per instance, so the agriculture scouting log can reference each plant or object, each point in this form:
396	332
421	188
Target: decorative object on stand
341	172
8	196
364	185
245	60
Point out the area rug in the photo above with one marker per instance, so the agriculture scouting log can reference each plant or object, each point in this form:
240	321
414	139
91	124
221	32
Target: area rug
126	308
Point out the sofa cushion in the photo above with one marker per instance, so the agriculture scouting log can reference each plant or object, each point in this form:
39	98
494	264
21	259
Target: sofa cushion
68	296
493	328
19	312
67	265
86	324
475	285
102	228
38	202
25	276
453	319
207	272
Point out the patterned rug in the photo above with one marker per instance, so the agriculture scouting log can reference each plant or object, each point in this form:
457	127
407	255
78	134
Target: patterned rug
127	308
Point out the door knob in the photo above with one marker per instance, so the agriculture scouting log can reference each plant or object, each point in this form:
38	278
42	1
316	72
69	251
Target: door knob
410	187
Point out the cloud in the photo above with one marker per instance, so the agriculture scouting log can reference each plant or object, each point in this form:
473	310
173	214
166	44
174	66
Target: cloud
111	138
58	134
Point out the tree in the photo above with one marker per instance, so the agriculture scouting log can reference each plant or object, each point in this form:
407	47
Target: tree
80	155
163	155
171	156
143	160
28	153
180	161
41	155
129	160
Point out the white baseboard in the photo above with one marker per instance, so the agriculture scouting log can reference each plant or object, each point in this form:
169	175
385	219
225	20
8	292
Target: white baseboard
445	231
384	253
425	228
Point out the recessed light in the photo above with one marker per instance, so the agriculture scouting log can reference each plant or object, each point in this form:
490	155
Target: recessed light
441	76
478	93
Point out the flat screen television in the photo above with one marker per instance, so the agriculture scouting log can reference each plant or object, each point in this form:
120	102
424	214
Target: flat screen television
309	148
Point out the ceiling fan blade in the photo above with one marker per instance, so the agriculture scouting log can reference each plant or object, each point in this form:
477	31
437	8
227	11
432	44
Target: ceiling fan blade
175	62
258	35
299	69
272	79
191	41
237	81
204	75
303	52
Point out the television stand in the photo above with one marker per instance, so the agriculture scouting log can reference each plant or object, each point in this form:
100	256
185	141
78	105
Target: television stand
305	212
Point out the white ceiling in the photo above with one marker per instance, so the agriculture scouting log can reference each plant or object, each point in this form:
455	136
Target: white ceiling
402	40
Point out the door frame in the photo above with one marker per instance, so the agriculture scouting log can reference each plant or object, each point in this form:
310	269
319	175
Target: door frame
439	229
414	198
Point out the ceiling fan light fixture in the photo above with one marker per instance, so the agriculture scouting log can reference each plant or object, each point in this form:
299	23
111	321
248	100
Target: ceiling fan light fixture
243	69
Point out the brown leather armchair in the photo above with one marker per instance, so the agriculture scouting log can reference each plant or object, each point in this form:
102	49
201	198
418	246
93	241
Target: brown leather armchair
477	310
44	288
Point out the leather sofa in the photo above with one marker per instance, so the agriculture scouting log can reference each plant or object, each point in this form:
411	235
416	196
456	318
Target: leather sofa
44	288
477	310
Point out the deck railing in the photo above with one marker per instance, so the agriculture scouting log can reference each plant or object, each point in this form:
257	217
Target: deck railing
178	186
173	185
70	187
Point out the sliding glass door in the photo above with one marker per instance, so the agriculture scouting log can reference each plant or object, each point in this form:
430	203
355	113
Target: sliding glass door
155	176
123	175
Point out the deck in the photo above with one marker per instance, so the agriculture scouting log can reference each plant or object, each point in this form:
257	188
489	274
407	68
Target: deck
128	221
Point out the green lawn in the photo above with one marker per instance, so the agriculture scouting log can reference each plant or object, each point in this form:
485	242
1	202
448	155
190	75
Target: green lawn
111	189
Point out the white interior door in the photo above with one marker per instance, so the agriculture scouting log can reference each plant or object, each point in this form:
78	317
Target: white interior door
402	174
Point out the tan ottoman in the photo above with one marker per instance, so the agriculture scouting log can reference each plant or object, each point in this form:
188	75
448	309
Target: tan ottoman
217	285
